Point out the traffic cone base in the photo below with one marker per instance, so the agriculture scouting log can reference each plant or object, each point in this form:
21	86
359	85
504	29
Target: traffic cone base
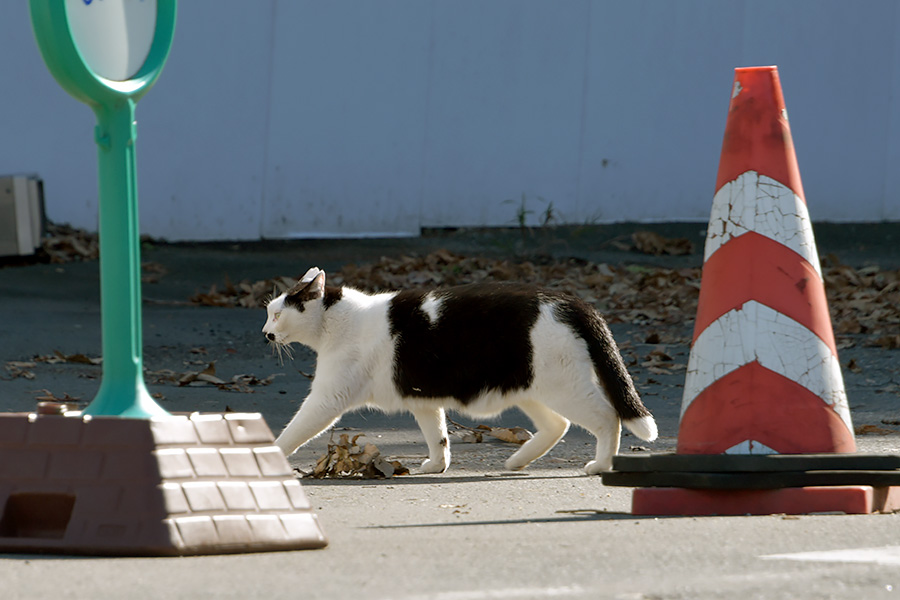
849	499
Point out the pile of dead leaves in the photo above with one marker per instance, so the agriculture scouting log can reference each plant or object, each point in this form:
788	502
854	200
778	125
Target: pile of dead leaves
207	377
863	301
63	244
624	293
245	294
632	293
348	458
24	368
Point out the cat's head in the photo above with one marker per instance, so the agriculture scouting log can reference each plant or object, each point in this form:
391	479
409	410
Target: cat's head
296	314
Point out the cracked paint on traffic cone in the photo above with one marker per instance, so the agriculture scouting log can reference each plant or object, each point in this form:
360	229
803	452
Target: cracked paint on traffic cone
763	374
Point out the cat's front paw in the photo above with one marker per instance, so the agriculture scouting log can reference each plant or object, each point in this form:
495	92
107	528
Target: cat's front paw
433	466
515	464
596	467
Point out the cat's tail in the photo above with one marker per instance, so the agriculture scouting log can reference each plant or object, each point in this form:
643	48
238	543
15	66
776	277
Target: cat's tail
609	366
643	427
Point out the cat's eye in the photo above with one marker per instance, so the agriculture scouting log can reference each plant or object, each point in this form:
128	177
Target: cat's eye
276	315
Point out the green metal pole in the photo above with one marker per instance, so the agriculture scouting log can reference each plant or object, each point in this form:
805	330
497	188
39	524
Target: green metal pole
122	390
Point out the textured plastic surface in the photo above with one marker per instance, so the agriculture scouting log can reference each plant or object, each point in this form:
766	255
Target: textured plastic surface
157	487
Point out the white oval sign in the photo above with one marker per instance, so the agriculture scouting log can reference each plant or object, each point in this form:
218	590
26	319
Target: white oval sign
113	36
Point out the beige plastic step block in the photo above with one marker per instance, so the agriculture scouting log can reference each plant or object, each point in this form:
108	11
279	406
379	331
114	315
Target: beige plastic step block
180	485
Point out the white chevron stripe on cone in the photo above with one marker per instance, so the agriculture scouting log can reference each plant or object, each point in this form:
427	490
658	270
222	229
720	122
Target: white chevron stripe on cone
758	333
754	202
750	447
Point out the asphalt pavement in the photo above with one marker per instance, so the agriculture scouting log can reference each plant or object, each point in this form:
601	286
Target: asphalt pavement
477	531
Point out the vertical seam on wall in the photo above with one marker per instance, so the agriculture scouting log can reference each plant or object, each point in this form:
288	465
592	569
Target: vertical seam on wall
891	99
426	144
585	84
267	121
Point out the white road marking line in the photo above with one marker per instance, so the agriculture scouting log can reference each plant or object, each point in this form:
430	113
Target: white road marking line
525	593
885	556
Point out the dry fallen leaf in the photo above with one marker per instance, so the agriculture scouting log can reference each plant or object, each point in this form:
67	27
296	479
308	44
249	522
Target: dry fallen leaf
659	362
78	358
873	430
888	342
152	272
475	435
512	435
18	368
207	375
244	383
649	242
48	396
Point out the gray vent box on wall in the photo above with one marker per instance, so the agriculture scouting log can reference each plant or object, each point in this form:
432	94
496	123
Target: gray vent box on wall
21	214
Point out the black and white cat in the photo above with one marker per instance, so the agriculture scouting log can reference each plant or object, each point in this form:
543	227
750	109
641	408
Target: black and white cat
478	349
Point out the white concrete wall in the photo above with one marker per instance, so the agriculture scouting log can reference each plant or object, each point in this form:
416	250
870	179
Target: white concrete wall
291	118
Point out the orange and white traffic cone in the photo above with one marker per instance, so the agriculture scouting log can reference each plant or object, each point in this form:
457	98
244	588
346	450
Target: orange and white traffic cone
763	376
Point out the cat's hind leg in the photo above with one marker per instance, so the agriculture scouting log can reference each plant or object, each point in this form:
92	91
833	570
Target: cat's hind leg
598	416
433	424
549	426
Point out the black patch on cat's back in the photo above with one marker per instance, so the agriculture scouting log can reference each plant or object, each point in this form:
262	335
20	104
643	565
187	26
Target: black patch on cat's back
481	341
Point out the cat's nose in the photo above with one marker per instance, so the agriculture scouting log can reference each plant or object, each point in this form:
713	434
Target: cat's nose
270	336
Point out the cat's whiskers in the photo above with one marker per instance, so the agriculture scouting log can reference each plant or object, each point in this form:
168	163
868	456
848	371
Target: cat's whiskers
281	349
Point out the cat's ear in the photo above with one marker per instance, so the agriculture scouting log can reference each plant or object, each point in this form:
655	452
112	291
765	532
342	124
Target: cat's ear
310	287
310	275
317	286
